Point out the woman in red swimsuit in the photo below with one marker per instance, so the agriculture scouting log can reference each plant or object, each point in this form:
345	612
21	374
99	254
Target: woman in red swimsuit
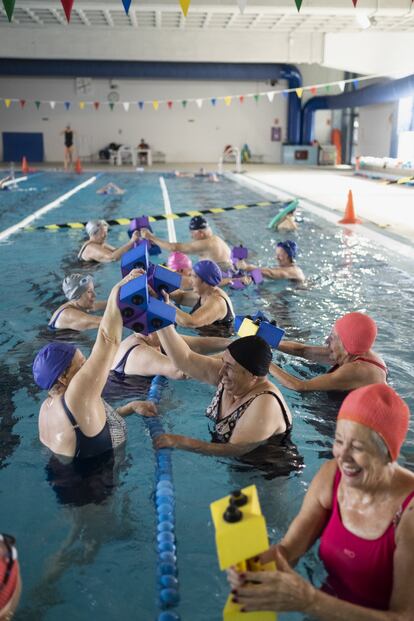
348	348
361	506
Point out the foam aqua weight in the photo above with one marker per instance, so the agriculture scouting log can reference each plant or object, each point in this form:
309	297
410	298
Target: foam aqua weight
167	570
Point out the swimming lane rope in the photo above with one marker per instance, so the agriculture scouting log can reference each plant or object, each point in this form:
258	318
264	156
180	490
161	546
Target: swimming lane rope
163	216
165	509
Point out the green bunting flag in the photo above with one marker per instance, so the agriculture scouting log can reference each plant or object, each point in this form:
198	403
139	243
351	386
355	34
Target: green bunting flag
9	8
256	98
37	104
184	103
111	105
328	88
298	4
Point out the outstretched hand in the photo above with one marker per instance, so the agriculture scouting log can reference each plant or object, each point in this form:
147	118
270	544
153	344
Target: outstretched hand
145	408
168	440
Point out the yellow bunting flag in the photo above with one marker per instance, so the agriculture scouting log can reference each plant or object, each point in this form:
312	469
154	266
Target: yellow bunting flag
227	100
299	92
155	104
81	105
185	5
7	102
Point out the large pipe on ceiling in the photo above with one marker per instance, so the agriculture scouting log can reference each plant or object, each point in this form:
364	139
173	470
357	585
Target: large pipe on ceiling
168	71
382	92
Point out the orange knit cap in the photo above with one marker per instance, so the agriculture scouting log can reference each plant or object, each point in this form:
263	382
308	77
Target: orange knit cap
380	408
357	332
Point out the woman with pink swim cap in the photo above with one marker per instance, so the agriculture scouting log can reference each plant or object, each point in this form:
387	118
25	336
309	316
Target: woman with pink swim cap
348	348
360	506
182	264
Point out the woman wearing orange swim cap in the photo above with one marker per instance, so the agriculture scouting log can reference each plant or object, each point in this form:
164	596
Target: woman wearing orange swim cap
360	505
348	348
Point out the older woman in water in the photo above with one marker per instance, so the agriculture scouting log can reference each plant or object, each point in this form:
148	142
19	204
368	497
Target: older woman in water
348	348
246	411
212	309
75	314
361	507
97	250
74	420
288	269
11	584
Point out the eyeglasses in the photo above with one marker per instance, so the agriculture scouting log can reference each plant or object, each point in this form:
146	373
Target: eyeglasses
9	543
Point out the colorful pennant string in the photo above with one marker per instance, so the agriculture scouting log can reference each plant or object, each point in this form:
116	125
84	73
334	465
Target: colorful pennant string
155	104
227	100
299	92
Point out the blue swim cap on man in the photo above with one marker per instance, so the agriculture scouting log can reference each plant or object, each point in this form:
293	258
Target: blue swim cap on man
208	271
290	247
198	223
51	361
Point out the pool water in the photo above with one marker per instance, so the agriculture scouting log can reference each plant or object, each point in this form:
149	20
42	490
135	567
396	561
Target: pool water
84	559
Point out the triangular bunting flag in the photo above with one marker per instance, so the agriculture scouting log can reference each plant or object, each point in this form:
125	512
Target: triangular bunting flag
227	100
328	88
341	86
241	98
313	90
9	8
126	105
298	4
7	102
256	98
213	101
155	104
111	105
285	94
96	105
354	2
242	5
22	103
52	104
199	102
270	95
355	83
169	104
140	105
184	103
127	4
37	104
185	5
299	92
67	105
82	105
67	7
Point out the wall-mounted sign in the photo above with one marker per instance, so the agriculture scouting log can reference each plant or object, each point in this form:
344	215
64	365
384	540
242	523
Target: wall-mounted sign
276	135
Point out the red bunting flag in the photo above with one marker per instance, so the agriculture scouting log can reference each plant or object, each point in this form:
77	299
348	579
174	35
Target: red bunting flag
241	98
9	8
298	4
313	90
22	103
169	104
96	105
354	2
67	7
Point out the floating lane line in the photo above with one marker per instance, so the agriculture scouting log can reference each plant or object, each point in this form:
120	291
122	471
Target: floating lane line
170	217
40	212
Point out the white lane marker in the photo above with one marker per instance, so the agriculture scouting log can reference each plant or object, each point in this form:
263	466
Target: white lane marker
56	203
13	181
172	237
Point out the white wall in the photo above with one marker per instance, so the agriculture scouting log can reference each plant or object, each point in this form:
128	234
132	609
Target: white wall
375	129
185	135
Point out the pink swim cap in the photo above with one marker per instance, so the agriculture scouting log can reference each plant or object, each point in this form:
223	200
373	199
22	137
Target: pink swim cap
179	261
357	332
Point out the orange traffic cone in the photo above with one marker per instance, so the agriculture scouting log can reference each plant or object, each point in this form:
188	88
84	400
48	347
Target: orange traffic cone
350	215
25	165
78	166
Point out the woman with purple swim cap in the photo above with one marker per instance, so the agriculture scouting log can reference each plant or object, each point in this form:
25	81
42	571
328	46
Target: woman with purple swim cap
74	420
285	255
212	310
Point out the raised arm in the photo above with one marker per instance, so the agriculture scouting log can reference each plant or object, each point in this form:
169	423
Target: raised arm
107	255
194	247
199	367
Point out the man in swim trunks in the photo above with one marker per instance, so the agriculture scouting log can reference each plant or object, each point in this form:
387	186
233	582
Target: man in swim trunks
68	134
204	243
96	250
348	348
247	409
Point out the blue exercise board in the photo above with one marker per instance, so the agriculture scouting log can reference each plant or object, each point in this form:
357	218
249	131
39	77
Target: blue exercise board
19	144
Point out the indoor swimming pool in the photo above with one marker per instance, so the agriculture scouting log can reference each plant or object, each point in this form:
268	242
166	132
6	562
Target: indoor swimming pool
92	554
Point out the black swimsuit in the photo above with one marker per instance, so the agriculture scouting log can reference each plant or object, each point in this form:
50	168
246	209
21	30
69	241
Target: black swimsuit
68	139
119	370
223	327
112	435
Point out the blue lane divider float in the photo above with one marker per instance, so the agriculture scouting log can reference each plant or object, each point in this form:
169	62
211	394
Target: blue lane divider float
167	572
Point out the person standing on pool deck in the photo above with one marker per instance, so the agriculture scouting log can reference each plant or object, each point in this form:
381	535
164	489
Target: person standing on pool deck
68	134
288	269
204	243
247	409
348	348
96	250
74	421
361	507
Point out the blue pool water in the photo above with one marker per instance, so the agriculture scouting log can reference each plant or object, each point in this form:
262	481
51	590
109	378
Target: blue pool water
98	560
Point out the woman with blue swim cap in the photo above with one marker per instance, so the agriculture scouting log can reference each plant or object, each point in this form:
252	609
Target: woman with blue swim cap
212	310
286	253
74	421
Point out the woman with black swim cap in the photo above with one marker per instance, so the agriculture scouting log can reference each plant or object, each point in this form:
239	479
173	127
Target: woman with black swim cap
247	409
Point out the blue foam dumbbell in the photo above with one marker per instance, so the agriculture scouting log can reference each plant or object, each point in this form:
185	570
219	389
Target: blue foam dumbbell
136	224
133	301
137	257
159	315
163	279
